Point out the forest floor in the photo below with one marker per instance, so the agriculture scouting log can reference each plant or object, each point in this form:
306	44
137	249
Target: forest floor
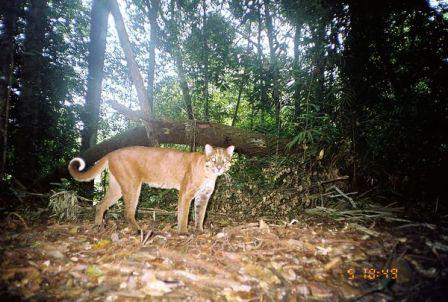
307	259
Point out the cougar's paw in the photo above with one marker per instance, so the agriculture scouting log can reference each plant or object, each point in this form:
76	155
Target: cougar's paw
199	231
100	227
182	233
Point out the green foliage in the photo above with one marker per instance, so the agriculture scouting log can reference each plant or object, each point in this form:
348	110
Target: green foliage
368	78
63	61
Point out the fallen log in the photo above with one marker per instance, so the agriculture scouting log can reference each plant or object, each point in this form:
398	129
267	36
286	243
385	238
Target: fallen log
174	132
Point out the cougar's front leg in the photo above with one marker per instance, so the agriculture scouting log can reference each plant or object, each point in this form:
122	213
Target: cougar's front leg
200	207
183	208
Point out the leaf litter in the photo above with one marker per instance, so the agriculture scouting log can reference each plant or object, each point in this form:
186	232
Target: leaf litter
310	258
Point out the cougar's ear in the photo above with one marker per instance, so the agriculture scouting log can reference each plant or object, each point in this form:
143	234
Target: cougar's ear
230	150
208	150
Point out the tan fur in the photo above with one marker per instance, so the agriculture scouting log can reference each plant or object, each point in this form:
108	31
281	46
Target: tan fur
193	174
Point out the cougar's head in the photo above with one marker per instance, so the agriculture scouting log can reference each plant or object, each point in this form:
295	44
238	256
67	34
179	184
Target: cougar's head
217	160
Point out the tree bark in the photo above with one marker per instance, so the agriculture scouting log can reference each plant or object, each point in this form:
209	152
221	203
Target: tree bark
6	72
29	140
133	69
170	132
97	48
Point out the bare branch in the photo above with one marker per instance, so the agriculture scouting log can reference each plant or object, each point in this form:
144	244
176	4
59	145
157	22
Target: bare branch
129	113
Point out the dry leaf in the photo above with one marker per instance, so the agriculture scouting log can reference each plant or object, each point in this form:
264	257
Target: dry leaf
263	225
56	254
101	244
153	286
321	155
332	264
94	271
114	237
261	273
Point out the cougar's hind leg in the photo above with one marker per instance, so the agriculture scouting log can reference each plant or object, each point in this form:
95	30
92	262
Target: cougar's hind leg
112	195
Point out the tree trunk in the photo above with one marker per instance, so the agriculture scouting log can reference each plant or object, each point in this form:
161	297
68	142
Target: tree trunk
273	65
173	48
6	73
153	8
296	69
243	79
133	69
184	84
261	72
170	132
97	49
320	61
357	51
238	101
205	59
28	142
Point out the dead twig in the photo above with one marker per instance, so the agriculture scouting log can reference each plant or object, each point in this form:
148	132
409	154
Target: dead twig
20	218
352	202
339	195
158	211
410	225
145	240
345	177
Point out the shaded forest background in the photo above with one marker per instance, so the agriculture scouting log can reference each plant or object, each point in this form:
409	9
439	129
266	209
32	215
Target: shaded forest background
365	81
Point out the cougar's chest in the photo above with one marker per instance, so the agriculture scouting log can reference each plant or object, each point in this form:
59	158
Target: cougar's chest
206	186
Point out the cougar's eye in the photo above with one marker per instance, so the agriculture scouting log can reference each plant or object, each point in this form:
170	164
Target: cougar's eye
213	159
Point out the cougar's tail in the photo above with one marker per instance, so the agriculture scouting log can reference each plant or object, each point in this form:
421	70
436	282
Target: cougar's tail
77	164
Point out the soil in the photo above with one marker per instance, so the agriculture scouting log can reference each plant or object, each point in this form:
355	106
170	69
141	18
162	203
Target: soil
307	259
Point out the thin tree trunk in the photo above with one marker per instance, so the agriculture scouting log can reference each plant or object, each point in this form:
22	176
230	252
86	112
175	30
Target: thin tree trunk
173	47
133	69
175	51
273	65
6	73
28	138
296	67
240	92
205	53
252	116
97	48
242	81
320	62
261	73
153	9
184	84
